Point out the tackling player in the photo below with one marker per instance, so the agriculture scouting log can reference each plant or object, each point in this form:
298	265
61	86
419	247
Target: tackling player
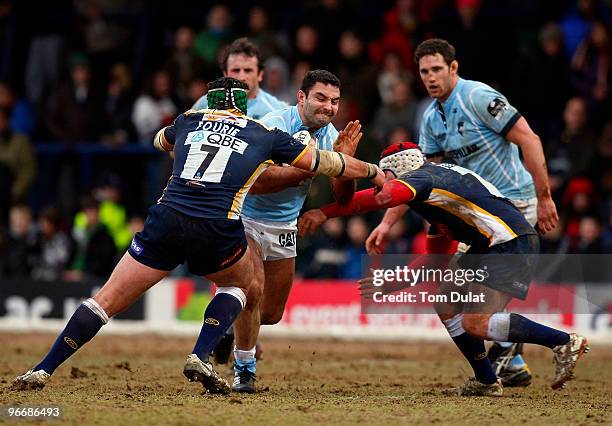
477	127
242	61
462	206
219	153
270	220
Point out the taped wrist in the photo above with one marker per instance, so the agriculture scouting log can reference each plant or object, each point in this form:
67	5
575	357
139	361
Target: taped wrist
328	163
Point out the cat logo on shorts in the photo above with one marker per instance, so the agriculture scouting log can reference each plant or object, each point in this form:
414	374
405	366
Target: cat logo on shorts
71	343
287	240
211	321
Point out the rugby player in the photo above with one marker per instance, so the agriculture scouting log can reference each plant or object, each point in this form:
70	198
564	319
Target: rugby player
242	61
219	153
462	206
476	126
270	219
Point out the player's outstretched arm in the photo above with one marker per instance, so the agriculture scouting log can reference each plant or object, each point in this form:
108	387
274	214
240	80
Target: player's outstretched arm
531	146
335	164
392	194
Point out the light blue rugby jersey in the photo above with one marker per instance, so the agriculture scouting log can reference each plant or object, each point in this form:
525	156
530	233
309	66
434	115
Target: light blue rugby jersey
470	126
285	205
257	107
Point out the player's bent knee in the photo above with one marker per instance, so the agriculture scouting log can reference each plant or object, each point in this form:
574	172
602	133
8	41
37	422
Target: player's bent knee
271	318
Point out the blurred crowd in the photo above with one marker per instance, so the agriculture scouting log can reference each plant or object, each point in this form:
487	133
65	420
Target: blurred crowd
112	72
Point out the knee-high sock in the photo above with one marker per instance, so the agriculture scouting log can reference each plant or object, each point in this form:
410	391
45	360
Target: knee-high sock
516	328
81	328
218	317
472	348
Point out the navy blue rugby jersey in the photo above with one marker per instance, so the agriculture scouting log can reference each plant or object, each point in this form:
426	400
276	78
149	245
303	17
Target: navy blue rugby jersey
218	156
463	206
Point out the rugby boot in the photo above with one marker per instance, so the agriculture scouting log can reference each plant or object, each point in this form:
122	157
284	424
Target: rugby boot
31	380
472	387
197	370
565	359
509	365
224	348
244	379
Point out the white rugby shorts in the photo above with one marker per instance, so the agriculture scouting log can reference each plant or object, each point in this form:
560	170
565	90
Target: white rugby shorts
277	239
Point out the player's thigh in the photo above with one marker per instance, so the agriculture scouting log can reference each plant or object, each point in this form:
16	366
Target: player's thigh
279	279
239	274
129	280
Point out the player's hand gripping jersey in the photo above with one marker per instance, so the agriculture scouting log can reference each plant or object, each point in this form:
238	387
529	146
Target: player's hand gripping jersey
218	156
470	127
285	205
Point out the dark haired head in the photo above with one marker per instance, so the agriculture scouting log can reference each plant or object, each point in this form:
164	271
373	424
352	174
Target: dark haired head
227	93
241	46
433	46
318	76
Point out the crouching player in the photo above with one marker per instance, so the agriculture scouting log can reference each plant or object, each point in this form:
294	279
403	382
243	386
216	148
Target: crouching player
219	153
462	206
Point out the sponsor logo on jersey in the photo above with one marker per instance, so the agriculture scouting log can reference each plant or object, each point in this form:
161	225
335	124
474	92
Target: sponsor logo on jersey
217	139
496	108
287	240
136	247
464	151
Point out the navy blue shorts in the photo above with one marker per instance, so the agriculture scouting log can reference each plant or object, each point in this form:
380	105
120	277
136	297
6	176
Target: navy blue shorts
170	238
510	265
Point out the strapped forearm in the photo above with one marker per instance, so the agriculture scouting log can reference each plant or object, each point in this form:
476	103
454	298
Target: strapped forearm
336	164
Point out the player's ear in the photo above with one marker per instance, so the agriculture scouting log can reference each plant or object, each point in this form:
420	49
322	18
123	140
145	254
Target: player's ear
301	96
260	76
454	67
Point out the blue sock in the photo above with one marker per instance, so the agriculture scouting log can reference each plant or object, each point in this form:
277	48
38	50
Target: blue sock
473	349
218	317
250	365
81	328
523	330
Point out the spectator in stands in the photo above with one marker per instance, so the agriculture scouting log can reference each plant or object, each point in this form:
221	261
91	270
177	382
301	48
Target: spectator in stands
327	254
118	106
276	79
357	74
56	247
578	201
306	46
391	72
96	251
399	113
184	65
75	112
209	42
22	247
590	237
544	71
577	142
155	108
17	165
23	117
357	231
591	63
555	241
269	42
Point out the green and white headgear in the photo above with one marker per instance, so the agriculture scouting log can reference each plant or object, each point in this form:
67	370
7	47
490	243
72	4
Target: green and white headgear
227	93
